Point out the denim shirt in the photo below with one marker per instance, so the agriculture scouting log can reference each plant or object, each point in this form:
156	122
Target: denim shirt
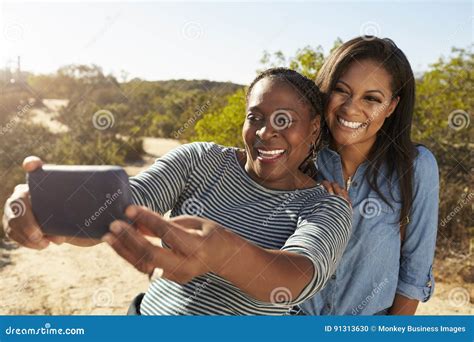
375	266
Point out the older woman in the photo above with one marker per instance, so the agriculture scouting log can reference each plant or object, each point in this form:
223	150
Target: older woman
267	236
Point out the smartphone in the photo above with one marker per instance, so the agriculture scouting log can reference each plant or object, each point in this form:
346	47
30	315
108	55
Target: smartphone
79	201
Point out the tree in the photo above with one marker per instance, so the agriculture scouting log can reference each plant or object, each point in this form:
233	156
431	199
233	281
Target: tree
444	101
306	61
447	87
224	126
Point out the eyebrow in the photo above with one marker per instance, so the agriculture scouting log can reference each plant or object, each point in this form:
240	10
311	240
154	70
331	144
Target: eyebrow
368	91
256	108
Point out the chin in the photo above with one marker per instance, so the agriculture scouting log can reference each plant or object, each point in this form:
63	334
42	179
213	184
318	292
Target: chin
345	141
341	138
269	175
346	137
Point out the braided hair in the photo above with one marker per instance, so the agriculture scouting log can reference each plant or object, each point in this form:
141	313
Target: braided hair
311	96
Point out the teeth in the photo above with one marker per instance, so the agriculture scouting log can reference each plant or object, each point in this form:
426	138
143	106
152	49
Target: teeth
349	123
272	152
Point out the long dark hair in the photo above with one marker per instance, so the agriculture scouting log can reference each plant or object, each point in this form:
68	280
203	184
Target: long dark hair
393	146
310	94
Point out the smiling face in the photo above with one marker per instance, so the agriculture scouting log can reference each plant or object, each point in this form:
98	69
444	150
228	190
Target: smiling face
359	104
277	133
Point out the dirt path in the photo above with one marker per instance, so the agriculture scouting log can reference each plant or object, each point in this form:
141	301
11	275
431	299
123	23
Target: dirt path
47	115
154	148
69	280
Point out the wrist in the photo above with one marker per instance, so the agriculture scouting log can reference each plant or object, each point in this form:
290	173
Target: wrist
230	247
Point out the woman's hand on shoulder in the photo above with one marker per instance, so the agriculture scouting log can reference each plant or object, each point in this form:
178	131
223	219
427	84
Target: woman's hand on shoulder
335	189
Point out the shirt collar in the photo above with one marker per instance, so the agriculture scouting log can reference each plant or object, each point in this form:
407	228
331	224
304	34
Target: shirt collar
329	163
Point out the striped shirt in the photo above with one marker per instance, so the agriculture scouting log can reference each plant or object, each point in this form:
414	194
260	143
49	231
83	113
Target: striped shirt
206	180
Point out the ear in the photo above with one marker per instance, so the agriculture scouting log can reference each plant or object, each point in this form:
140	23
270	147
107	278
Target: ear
392	106
315	125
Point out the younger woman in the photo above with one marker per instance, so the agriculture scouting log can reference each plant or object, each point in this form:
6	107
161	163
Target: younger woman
392	183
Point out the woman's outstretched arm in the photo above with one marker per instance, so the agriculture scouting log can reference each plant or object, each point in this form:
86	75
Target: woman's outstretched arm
198	246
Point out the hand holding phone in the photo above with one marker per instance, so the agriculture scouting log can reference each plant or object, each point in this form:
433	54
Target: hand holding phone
78	201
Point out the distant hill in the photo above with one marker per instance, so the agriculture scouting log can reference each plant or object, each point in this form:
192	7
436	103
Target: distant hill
201	85
165	109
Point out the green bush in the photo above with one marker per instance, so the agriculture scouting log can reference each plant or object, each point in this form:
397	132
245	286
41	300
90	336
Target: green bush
224	126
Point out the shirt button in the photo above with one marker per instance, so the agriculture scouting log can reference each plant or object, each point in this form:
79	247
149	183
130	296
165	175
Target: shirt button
333	276
328	305
354	184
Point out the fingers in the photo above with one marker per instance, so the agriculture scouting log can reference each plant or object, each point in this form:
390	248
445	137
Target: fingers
335	189
32	163
141	261
77	241
58	240
328	186
183	235
339	191
138	251
148	221
191	222
20	223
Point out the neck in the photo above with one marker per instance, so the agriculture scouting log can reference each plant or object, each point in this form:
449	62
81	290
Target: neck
352	156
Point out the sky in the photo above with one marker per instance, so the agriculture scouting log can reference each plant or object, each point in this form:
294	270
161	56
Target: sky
221	41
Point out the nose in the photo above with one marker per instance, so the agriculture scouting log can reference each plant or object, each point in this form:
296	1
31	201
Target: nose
267	131
351	107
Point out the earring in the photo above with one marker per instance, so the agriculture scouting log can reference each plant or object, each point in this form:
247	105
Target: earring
312	151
